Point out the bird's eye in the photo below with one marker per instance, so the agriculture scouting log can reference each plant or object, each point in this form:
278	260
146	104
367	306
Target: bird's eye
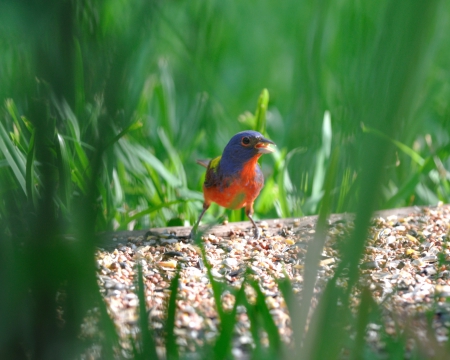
245	141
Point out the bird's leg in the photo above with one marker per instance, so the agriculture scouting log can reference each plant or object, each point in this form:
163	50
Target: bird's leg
249	213
257	234
194	228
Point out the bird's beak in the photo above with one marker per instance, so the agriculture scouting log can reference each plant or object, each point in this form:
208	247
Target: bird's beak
263	146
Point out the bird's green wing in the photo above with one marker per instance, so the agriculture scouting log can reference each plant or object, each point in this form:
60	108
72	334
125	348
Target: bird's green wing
213	176
214	163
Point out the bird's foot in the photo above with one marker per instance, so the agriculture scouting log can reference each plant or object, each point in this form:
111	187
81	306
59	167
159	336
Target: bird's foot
256	233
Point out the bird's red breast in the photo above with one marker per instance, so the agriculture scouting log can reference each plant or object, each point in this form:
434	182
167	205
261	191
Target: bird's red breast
239	189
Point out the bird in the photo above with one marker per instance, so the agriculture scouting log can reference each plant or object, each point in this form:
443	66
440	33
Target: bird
234	179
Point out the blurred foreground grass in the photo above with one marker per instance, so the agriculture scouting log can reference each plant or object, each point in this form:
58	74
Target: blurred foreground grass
106	106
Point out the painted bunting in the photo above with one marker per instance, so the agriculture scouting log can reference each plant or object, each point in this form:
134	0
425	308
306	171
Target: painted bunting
234	179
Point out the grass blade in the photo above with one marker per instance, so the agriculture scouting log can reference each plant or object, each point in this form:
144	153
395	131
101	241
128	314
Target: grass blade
171	344
258	352
267	321
409	186
111	339
260	113
157	208
321	163
315	247
148	346
362	321
223	343
404	148
174	157
293	306
15	158
29	170
64	160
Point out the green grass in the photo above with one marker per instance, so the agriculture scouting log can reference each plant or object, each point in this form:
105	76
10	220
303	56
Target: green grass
106	105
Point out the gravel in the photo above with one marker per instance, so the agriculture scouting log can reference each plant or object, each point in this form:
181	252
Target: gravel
405	265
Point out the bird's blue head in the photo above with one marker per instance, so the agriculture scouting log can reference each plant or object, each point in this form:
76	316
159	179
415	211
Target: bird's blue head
243	147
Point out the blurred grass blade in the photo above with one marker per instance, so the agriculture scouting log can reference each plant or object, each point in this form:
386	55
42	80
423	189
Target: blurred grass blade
409	186
426	194
283	182
157	208
165	94
19	136
150	159
148	346
260	113
347	182
65	182
171	344
66	113
16	160
110	337
174	157
118	195
406	149
316	245
366	303
328	318
215	285
222	345
288	198
321	163
136	124
80	100
252	314
293	306
224	342
31	193
267	321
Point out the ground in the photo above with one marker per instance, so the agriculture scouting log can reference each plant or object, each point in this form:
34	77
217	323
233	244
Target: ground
404	266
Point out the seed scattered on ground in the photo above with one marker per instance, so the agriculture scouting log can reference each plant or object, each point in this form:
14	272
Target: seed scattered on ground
405	265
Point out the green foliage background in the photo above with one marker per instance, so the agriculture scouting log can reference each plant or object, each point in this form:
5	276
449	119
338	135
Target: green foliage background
106	105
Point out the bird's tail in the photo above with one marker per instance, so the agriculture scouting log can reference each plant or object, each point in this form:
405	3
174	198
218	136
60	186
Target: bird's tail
203	163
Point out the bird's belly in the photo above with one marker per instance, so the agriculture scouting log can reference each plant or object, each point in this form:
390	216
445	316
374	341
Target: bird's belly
235	196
